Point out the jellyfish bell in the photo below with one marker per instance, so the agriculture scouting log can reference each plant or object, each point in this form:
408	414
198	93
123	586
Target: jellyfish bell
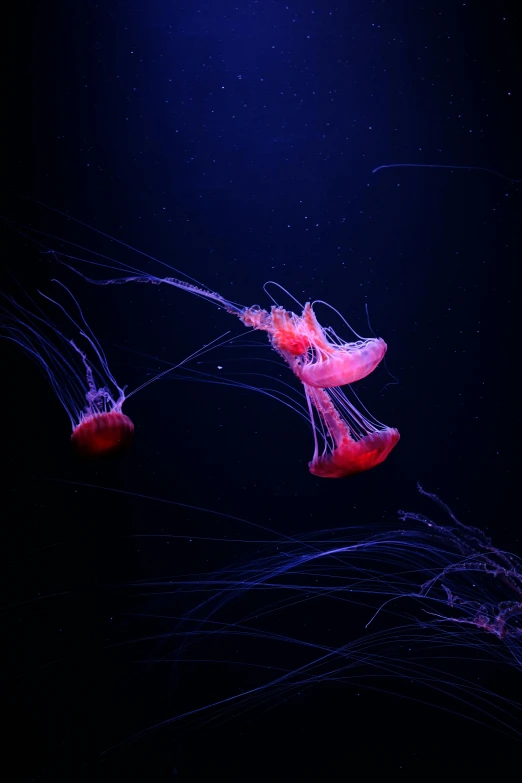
98	434
353	442
350	457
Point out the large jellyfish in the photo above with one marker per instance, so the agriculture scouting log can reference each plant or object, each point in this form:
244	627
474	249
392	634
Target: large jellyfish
317	356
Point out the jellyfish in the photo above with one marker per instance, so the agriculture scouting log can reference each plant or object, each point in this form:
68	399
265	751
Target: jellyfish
317	359
84	384
317	356
79	376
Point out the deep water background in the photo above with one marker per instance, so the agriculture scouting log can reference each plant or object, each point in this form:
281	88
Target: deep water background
236	141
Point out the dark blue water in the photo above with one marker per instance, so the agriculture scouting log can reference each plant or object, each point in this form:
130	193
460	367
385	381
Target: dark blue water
236	142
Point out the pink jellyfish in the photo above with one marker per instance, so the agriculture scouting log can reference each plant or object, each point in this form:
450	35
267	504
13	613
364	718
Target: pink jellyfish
80	378
316	357
353	442
305	346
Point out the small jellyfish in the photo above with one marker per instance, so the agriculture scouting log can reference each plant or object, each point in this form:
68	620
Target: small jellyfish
84	386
